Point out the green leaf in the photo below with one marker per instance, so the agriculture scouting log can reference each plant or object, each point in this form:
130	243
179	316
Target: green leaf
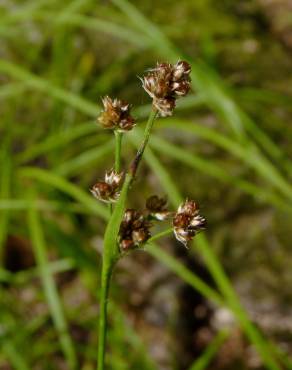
5	189
48	88
110	246
60	183
49	285
205	359
184	273
86	159
225	286
55	141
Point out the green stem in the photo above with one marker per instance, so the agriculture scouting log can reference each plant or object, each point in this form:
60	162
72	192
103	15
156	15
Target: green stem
160	235
147	132
111	250
104	291
118	137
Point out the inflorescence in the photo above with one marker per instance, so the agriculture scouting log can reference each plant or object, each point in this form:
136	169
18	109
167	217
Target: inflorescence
164	83
116	115
108	190
187	222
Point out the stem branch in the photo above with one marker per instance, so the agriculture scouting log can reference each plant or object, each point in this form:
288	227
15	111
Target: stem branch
118	137
147	132
104	290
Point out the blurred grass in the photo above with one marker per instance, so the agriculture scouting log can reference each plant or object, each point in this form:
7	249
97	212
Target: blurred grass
225	287
53	91
74	191
49	286
5	185
204	360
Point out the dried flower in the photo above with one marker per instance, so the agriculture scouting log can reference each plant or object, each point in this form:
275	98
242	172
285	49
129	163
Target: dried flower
166	83
108	190
116	115
134	230
187	222
157	207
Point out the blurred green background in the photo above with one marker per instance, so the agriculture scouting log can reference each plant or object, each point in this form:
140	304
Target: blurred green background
228	146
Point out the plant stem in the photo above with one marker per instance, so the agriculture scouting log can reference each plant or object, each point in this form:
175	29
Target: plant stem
147	132
104	290
160	235
118	137
111	250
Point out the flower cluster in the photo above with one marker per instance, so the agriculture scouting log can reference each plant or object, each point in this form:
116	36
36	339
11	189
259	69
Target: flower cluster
116	115
157	208
108	190
134	230
166	83
187	222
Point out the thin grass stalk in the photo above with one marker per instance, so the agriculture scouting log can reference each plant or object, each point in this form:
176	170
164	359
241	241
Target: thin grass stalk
50	288
223	283
5	185
205	359
160	235
147	132
102	330
118	147
67	187
184	273
14	355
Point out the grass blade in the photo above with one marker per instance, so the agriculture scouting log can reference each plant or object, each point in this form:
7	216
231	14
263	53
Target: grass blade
23	277
204	166
48	88
58	140
184	273
60	183
146	27
209	85
247	152
217	172
50	288
228	292
17	361
5	185
78	20
43	205
204	360
160	171
85	159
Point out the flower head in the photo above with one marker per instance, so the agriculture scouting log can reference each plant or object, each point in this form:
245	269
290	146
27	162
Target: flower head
134	230
165	83
109	189
157	208
116	115
187	222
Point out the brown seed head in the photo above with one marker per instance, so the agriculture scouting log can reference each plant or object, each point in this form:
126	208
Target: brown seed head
108	190
165	83
187	222
134	230
157	208
116	115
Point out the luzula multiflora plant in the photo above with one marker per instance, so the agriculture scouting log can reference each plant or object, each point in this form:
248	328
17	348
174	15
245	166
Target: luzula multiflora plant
129	229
